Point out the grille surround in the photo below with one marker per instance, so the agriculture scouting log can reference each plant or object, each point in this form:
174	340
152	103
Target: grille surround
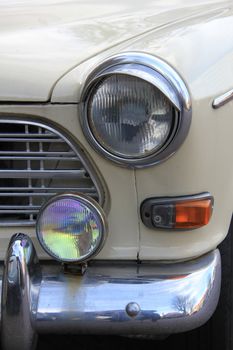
34	159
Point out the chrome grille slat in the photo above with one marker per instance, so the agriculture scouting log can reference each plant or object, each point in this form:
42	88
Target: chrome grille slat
18	211
13	139
41	161
56	189
15	223
34	194
19	207
37	153
36	163
39	174
28	149
24	194
39	158
5	135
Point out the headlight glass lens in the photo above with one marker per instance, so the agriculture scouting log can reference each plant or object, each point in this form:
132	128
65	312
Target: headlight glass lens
70	229
129	117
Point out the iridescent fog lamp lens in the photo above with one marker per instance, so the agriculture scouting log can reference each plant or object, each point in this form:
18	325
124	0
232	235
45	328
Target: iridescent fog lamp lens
71	228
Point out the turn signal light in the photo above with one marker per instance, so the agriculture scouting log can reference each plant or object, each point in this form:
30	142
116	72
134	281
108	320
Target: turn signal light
180	213
193	214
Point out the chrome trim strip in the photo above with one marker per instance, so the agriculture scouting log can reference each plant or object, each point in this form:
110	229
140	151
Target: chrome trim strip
20	292
110	298
223	99
40	174
160	74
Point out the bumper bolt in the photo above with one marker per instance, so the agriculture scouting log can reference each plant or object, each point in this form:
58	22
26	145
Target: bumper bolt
132	309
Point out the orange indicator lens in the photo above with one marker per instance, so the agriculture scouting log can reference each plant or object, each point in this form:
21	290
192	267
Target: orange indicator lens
193	214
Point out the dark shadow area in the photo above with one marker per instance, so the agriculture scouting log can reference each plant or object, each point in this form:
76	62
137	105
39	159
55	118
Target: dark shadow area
108	343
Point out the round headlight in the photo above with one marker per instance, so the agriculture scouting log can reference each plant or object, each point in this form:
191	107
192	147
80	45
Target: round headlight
71	228
129	117
137	110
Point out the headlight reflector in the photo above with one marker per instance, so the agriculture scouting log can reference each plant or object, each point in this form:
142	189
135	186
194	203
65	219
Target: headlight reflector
130	117
71	228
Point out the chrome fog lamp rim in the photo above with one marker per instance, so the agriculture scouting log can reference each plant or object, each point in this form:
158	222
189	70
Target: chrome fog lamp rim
92	205
159	74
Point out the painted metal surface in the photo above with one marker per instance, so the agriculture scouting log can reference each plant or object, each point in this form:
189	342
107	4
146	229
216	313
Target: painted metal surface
187	43
198	166
41	42
202	163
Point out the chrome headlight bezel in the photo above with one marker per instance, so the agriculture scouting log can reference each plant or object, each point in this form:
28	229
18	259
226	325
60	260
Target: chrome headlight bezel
156	72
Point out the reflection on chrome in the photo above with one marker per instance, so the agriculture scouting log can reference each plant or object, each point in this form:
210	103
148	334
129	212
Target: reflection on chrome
223	99
99	298
110	298
20	291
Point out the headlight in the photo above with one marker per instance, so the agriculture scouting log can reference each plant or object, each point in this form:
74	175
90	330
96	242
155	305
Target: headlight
71	228
136	109
130	117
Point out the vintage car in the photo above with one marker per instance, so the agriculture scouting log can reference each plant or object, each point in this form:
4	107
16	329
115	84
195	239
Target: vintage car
115	165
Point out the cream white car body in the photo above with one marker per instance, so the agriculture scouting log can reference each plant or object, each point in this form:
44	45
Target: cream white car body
47	50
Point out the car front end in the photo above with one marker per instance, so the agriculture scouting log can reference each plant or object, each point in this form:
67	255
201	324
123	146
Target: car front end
116	185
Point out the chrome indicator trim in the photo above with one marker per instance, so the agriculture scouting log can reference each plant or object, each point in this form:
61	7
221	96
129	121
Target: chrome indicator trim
223	99
110	298
158	73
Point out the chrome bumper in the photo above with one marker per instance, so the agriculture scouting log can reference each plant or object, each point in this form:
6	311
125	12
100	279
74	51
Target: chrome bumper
110	298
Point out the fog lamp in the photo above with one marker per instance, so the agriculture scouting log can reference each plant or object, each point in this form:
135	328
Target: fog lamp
71	227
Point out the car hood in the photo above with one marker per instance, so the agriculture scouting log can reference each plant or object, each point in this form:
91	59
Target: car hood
41	41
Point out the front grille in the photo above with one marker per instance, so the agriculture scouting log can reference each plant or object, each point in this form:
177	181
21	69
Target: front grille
38	161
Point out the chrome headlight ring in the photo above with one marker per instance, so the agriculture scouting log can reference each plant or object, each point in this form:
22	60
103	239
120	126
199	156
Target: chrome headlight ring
159	74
